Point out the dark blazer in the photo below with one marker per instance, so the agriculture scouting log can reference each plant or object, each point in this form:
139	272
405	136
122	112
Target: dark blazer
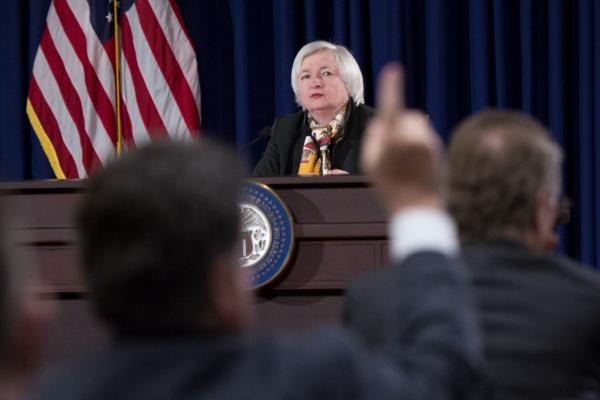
284	151
540	317
431	357
440	297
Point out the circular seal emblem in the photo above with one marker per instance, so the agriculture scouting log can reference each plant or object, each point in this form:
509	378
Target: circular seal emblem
267	233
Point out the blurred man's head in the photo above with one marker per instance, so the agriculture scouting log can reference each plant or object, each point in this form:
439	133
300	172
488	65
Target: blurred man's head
158	230
504	178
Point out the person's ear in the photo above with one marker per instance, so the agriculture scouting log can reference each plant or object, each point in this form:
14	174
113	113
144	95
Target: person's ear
230	295
545	214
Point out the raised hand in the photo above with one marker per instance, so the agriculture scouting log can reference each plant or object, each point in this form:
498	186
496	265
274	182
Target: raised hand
401	152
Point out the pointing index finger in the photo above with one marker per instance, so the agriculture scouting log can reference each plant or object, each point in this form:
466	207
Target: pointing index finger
390	93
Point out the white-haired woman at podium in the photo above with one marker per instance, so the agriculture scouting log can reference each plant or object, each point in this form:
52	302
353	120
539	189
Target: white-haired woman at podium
324	137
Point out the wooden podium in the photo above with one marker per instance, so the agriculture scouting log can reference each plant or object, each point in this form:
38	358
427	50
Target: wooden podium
340	233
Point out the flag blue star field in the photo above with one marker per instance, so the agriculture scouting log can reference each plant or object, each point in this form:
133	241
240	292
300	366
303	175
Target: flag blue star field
72	103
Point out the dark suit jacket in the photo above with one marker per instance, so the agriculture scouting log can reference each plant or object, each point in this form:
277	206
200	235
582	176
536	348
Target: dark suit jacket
385	306
429	359
284	150
540	317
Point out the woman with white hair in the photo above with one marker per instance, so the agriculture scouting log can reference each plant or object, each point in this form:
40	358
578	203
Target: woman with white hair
324	137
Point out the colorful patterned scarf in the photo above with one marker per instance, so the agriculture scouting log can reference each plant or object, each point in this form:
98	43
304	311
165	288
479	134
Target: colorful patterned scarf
316	158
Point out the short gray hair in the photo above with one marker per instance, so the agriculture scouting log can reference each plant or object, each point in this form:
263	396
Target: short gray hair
498	160
347	65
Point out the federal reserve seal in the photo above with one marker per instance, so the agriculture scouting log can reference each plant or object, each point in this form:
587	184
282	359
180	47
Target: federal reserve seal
267	233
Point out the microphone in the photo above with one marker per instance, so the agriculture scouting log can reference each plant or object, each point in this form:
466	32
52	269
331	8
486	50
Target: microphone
264	133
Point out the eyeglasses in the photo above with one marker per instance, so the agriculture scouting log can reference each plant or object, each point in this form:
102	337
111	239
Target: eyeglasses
564	211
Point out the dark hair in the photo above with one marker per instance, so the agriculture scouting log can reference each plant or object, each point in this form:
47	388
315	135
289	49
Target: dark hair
498	160
152	225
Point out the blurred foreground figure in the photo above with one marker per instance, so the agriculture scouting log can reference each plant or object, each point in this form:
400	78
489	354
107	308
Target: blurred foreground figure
404	158
539	312
159	233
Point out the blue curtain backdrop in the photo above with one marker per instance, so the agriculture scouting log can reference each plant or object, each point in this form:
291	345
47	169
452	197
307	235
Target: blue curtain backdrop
542	57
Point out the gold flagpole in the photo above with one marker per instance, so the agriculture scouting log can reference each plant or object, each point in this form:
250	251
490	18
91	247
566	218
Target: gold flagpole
117	75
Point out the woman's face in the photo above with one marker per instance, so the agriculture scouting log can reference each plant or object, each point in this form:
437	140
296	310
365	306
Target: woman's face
320	85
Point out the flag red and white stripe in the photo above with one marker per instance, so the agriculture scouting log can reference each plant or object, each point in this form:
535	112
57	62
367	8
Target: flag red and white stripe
72	102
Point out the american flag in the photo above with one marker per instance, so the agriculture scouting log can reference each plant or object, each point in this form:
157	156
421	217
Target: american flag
72	103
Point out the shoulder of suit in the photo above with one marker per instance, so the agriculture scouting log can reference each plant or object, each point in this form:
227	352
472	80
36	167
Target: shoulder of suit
569	266
286	128
365	109
587	274
290	120
514	258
